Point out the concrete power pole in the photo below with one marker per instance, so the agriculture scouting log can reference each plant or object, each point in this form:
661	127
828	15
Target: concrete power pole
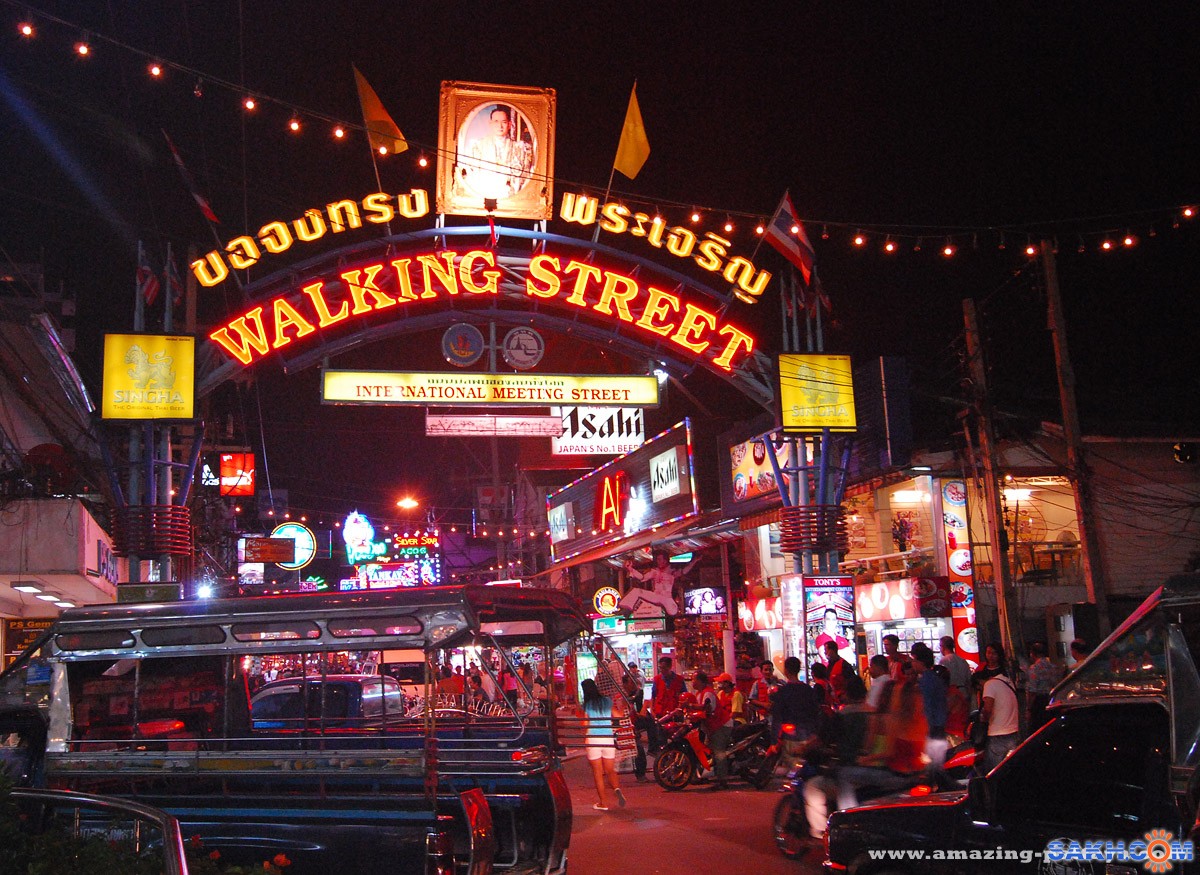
991	480
1090	558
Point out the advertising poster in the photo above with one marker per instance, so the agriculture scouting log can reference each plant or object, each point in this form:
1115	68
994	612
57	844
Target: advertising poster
829	616
959	566
751	469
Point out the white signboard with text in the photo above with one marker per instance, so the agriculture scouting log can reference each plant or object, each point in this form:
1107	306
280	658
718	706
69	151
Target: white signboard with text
596	431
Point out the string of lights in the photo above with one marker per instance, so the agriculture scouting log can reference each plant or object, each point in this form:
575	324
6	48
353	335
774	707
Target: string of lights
1101	234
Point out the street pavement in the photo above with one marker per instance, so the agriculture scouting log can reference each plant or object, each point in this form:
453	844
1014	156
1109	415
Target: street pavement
690	832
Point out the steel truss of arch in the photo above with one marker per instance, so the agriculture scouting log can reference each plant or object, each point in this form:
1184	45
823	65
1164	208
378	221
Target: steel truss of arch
514	247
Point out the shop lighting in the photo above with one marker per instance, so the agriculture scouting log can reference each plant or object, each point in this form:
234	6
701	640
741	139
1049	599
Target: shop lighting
922	468
48	596
64	604
1018	494
29	586
909	496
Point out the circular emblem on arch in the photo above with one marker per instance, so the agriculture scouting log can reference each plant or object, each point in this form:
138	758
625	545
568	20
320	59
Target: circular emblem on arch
306	543
462	345
523	348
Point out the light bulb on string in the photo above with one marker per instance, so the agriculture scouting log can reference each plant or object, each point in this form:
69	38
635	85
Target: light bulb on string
759	229
728	225
198	89
824	232
1107	245
1002	245
949	249
339	132
695	217
382	150
859	239
294	124
26	29
249	104
1153	232
1128	241
422	161
82	48
888	245
1188	212
658	219
1030	249
155	69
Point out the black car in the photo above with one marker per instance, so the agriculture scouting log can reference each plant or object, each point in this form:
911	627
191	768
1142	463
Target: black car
1094	773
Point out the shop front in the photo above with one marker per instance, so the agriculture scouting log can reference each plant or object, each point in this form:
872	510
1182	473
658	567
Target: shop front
914	609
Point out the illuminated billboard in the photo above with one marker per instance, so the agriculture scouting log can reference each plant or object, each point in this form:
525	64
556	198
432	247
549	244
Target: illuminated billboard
589	431
149	376
616	501
465	389
496	151
816	392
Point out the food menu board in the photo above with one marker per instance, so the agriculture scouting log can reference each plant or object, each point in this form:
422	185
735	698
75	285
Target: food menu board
751	469
959	568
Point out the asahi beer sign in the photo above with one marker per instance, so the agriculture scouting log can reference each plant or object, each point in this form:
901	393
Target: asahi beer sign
669	475
562	522
594	431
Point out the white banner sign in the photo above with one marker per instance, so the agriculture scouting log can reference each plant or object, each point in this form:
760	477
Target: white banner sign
499	426
595	431
669	475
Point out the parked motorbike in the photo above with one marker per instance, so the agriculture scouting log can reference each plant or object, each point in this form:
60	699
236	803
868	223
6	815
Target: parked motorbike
790	825
686	754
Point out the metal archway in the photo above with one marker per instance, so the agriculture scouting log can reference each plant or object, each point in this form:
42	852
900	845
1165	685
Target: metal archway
513	249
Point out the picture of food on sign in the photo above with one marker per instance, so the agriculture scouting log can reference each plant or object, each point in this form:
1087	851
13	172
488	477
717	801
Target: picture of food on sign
961	595
952	521
954	492
737	452
739	487
960	561
760	452
766	481
925	588
968	640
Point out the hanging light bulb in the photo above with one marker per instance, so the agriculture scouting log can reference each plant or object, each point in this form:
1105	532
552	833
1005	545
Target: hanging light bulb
339	132
422	161
1106	245
695	216
383	150
888	245
795	229
25	28
198	90
294	124
1002	243
155	69
1128	241
859	239
728	225
949	249
1030	249
759	229
1082	246
82	48
917	245
1188	212
658	219
824	232
249	104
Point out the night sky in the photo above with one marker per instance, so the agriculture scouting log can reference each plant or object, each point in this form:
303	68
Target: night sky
925	122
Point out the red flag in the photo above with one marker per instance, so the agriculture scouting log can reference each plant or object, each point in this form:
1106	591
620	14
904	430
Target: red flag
147	280
786	234
200	200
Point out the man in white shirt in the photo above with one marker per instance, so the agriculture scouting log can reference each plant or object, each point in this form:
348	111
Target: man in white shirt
662	578
1003	715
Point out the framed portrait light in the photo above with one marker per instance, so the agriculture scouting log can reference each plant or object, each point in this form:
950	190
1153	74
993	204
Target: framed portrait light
496	151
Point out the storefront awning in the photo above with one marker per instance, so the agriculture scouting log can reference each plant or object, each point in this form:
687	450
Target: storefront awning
695	533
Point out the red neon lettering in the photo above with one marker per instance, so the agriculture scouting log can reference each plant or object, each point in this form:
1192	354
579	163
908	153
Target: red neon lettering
286	315
609	295
249	337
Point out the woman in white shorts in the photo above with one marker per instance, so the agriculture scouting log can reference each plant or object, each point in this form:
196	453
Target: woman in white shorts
601	743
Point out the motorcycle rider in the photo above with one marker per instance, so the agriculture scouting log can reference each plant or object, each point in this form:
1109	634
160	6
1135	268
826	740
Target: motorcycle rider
794	704
718	724
895	748
850	729
665	691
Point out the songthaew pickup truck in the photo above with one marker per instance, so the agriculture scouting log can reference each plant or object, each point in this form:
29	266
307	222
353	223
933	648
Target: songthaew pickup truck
281	725
1108	785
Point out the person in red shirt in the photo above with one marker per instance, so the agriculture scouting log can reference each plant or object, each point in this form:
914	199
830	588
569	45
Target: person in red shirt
665	691
840	671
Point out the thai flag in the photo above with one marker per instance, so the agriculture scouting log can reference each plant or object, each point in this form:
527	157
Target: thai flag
147	280
174	283
786	234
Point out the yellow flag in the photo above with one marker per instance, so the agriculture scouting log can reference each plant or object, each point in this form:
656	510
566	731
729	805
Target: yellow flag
381	130
634	148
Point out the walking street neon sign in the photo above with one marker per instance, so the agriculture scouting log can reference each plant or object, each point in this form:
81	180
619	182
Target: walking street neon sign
405	280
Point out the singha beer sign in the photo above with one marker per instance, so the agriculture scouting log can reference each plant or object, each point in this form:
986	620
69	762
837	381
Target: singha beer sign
149	376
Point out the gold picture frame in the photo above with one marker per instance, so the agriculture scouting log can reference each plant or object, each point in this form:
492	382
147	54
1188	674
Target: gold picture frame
496	151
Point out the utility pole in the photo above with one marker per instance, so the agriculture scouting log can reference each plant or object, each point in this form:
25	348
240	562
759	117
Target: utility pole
991	482
1089	547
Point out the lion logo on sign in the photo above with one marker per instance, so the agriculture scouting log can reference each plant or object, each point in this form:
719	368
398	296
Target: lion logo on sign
150	373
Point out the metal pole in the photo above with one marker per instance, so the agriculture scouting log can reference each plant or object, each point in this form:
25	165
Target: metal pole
991	485
1091	559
